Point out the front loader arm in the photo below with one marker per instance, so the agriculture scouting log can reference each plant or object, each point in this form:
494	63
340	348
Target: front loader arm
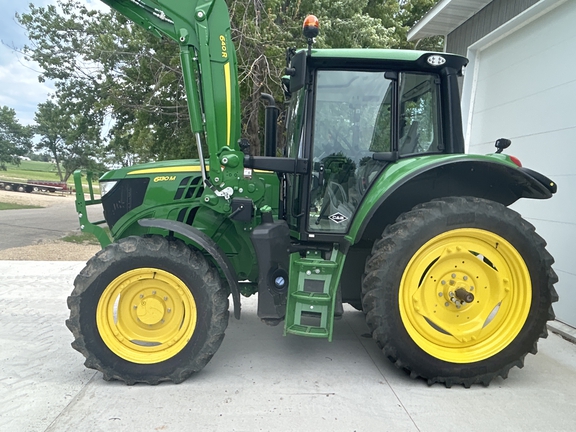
209	65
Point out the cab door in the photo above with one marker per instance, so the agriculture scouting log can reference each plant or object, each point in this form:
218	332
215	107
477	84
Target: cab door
352	120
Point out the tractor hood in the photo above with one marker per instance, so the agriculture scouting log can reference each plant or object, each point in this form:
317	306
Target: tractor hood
159	168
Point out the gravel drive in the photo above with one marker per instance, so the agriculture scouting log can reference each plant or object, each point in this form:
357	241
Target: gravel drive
45	250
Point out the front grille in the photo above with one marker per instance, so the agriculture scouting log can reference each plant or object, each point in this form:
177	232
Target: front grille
125	196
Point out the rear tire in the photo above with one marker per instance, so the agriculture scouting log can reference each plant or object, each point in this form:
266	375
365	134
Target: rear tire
474	246
146	309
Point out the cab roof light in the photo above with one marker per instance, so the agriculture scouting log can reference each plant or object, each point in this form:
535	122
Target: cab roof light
311	27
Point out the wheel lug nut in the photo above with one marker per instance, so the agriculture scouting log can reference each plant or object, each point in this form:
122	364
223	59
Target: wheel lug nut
165	298
169	310
443	282
453	275
440	294
141	295
446	304
153	292
465	278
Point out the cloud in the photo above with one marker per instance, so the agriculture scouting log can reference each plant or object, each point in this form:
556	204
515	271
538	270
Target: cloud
19	86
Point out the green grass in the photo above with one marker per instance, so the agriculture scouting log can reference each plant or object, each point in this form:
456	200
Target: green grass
12	206
81	238
31	170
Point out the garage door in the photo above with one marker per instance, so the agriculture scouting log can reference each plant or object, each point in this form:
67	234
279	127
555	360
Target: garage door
526	91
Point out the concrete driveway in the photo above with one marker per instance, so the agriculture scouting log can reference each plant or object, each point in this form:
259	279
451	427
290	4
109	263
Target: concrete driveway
257	381
26	227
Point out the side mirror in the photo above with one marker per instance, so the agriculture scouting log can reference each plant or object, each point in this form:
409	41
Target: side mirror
297	71
502	144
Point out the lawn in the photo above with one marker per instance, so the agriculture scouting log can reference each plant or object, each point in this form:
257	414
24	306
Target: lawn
81	238
31	170
12	206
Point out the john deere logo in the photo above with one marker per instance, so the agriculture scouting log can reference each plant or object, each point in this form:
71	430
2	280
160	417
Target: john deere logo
337	217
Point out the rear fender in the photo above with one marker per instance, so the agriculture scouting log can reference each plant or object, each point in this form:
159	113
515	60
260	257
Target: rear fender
202	242
490	177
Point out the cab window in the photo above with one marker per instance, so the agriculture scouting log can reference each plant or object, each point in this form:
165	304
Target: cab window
419	114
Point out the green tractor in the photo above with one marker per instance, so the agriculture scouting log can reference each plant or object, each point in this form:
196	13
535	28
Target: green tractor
373	203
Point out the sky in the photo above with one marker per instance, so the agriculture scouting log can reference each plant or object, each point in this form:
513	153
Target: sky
19	86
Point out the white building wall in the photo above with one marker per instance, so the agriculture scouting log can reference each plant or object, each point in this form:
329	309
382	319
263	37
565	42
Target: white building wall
521	85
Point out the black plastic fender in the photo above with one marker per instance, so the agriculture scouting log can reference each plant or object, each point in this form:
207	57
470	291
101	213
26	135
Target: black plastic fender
546	182
202	241
466	176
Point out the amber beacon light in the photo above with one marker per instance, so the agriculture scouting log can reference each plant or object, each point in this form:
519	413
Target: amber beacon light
311	27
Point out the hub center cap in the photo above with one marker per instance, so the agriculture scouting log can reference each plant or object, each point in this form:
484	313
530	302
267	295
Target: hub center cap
150	311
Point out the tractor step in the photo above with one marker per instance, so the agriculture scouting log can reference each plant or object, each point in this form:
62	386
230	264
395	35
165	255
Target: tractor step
312	295
310	331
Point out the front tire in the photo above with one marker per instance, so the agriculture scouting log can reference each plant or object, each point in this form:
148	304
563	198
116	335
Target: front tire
459	290
148	309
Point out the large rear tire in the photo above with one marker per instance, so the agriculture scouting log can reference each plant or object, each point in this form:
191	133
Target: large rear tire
458	291
148	309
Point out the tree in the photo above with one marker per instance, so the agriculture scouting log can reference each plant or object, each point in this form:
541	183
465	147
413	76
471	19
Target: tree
146	97
402	15
15	139
111	69
70	138
107	67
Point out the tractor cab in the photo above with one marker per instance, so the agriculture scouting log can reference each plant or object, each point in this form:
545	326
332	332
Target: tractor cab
352	118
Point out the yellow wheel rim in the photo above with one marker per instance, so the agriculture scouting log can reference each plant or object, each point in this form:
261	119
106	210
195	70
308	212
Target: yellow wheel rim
146	315
435	291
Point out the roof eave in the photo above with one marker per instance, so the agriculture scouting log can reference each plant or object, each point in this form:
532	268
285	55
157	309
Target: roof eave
445	17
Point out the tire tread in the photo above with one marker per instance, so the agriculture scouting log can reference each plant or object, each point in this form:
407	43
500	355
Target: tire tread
397	237
183	256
